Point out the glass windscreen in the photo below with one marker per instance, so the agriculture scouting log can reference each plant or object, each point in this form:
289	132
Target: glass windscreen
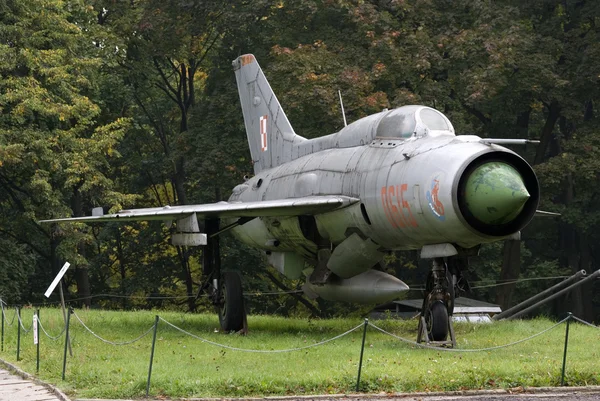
398	123
434	120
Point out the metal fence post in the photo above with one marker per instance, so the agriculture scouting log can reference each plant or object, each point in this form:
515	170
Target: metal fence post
362	350
562	377
18	331
66	343
152	355
2	305
37	353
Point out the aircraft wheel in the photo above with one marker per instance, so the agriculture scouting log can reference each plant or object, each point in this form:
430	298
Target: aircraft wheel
231	305
436	319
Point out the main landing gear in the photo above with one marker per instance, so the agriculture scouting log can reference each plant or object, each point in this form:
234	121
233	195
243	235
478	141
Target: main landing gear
230	302
435	322
223	287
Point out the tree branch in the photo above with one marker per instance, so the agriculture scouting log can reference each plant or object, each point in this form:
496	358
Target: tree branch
165	79
480	116
314	311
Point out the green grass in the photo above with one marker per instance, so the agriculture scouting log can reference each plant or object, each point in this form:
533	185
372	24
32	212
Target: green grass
186	367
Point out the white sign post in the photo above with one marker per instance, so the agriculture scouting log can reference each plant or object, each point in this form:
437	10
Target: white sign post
60	275
35	329
48	292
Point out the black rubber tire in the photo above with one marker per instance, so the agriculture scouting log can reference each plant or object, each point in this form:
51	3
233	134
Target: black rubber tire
438	322
231	310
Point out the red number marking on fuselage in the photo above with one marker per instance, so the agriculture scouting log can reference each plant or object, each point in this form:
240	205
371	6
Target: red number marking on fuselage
397	211
405	205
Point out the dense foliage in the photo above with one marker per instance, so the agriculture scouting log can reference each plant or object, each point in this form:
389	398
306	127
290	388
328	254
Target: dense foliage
122	104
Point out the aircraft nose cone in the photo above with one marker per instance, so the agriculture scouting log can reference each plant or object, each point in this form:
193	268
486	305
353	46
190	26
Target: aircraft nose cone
495	193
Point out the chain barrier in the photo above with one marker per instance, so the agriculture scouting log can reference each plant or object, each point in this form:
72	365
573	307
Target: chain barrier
584	322
112	342
472	349
21	324
262	351
53	338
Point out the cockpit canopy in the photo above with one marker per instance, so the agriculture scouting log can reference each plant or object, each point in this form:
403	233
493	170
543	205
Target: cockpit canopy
413	122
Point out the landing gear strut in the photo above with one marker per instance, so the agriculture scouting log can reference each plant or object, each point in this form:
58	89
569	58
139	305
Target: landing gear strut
435	322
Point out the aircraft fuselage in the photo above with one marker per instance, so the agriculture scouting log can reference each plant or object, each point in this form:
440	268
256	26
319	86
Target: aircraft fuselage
408	190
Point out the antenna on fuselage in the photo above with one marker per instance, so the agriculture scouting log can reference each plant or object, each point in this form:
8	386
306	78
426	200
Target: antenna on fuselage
343	112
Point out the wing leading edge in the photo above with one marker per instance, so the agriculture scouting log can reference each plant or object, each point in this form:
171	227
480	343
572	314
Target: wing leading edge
271	208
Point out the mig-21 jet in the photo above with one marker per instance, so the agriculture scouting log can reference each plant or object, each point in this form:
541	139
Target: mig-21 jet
329	208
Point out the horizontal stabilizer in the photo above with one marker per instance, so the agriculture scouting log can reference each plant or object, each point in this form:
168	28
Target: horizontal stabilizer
272	208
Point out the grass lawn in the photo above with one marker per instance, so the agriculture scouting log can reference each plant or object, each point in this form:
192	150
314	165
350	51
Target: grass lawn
186	367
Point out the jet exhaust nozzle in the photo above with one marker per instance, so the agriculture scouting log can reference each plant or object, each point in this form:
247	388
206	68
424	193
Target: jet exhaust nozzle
370	287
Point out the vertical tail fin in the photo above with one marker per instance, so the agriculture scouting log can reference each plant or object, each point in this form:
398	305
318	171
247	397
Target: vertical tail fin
270	134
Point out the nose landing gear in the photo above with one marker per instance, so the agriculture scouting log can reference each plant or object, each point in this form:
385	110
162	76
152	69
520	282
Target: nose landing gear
435	321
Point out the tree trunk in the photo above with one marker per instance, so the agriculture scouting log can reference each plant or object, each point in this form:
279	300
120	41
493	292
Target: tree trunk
184	260
122	268
587	290
546	135
82	277
570	240
511	268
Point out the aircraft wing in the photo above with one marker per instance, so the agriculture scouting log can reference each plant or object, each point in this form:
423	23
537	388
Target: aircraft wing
270	208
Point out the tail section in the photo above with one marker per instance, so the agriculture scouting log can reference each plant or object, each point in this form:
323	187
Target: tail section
270	134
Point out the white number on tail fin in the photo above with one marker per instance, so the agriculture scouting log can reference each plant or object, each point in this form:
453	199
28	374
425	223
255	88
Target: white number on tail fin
263	133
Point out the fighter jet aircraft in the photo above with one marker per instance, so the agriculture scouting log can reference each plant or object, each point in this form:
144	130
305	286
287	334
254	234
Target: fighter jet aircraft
329	208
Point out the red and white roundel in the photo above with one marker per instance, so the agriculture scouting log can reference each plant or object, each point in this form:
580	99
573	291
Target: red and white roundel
263	133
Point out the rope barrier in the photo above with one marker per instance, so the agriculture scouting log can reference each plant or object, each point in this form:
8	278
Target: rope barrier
259	293
518	280
180	297
260	351
584	322
6	319
22	326
473	349
111	342
497	283
53	338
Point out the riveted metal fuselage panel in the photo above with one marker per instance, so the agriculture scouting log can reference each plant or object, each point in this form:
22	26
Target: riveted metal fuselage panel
407	188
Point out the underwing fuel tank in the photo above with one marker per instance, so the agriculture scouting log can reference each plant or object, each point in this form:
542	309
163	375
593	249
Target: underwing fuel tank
370	287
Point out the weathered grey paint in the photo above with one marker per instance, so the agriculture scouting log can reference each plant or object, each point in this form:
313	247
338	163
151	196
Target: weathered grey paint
406	166
364	172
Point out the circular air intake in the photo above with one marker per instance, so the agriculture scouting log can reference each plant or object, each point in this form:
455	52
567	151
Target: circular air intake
498	194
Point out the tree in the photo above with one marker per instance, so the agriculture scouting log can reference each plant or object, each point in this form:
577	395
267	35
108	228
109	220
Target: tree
54	155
